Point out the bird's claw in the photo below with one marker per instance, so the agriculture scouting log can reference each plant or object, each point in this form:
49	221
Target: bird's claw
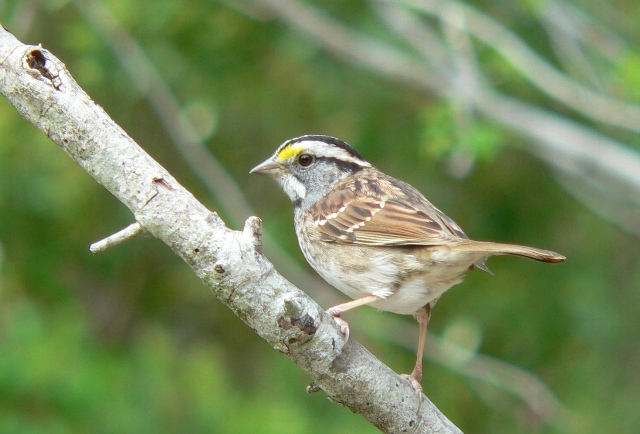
417	387
344	326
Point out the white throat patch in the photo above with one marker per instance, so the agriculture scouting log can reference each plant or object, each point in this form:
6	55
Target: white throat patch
293	187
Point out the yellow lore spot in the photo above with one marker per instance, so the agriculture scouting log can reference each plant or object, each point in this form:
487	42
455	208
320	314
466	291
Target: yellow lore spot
289	151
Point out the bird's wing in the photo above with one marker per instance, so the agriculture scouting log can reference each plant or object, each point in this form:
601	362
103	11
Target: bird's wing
368	217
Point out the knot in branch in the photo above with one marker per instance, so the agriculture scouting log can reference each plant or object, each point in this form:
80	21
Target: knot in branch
297	325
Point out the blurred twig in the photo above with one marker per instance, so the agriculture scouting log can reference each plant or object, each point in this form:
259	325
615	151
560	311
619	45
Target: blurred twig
535	68
584	28
566	40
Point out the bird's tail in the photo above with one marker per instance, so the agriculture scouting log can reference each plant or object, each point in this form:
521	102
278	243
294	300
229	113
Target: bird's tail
490	249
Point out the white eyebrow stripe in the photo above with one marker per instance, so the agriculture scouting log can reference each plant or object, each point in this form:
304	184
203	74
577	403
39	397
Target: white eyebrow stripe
324	150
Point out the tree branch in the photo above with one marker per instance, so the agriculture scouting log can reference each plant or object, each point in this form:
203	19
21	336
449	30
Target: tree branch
229	262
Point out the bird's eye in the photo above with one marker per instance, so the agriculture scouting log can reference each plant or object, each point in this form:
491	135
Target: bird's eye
305	160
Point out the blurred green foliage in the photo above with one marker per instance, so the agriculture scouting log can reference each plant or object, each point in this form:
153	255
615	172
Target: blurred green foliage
130	341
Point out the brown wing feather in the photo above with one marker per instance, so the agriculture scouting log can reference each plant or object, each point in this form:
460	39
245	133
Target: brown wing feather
360	213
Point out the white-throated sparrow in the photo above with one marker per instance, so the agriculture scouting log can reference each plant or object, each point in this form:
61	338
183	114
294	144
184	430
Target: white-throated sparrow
373	237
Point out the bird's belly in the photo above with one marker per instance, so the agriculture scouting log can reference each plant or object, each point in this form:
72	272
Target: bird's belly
412	295
356	274
404	282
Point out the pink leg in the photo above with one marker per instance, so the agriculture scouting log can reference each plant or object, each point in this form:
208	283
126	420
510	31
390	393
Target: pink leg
423	315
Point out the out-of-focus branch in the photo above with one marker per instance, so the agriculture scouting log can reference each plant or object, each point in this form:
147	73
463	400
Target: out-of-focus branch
540	73
583	28
352	45
229	262
565	39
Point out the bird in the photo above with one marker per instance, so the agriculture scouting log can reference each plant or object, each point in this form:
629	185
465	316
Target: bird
373	237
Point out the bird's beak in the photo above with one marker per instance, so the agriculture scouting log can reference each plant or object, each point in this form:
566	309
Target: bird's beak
268	168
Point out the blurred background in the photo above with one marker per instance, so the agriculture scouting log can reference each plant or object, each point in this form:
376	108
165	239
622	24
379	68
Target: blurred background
520	120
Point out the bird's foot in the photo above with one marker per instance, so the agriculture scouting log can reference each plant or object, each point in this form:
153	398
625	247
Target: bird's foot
344	326
417	389
415	383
